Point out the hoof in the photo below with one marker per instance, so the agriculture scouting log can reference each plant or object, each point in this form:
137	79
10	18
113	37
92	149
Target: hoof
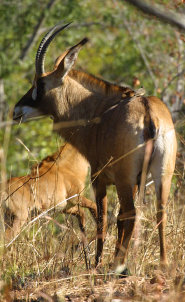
122	271
164	266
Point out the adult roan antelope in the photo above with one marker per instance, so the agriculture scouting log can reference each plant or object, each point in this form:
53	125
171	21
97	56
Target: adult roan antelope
56	178
126	121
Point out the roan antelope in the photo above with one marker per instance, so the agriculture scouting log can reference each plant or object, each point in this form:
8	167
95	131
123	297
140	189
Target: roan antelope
126	120
55	179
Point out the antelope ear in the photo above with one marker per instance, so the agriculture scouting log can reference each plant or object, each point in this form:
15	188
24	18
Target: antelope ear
69	58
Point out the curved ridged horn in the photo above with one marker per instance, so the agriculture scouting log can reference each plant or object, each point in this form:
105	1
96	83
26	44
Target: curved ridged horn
41	52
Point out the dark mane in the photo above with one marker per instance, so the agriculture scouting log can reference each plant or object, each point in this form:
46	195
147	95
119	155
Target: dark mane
48	159
98	85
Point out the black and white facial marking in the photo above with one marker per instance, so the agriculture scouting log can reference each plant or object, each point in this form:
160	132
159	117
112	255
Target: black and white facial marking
28	106
34	94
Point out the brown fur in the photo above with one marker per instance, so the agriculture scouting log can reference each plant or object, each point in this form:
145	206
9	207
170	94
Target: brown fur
56	178
126	121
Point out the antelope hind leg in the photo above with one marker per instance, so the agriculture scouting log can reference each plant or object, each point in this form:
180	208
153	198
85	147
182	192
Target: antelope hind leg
125	225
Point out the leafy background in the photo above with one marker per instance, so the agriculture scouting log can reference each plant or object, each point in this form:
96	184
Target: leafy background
125	47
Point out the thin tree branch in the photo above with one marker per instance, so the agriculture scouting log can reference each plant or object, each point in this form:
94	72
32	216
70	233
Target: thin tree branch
180	74
138	46
87	24
3	104
33	37
174	19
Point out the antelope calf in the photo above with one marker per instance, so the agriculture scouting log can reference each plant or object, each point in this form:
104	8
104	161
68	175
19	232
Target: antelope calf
57	177
118	121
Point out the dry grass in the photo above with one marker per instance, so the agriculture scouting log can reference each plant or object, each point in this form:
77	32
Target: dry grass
46	262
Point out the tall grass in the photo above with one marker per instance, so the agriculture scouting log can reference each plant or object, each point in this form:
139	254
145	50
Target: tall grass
46	261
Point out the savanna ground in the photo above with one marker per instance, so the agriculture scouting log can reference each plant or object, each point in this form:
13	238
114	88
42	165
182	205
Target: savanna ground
46	262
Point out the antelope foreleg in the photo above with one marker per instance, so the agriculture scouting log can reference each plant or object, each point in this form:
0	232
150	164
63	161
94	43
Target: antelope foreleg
89	204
